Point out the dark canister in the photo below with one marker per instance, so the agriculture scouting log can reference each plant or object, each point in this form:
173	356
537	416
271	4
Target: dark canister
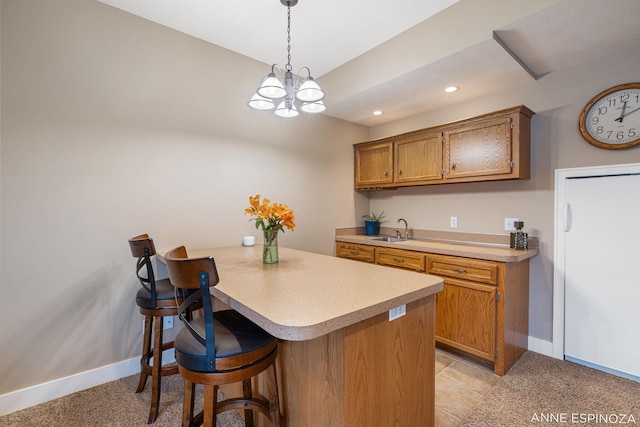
519	238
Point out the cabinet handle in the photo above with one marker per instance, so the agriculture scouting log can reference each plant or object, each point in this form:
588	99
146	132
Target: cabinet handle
355	253
453	167
399	171
459	270
386	173
400	260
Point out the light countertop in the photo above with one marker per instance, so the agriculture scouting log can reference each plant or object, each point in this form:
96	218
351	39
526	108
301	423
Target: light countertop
455	244
307	295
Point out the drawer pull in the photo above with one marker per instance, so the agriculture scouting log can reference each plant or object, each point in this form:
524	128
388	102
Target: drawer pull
459	270
401	260
355	253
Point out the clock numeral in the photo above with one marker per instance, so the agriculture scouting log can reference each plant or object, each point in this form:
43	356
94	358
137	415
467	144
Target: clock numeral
631	133
624	98
603	110
594	120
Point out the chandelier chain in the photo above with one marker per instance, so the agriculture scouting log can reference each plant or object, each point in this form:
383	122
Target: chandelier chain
288	66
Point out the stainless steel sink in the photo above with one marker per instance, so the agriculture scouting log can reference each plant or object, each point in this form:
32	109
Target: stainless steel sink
390	239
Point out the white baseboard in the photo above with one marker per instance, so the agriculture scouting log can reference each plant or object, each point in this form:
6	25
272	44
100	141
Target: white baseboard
541	346
40	393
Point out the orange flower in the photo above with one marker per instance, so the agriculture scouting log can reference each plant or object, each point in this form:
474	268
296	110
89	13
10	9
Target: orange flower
254	201
270	216
289	219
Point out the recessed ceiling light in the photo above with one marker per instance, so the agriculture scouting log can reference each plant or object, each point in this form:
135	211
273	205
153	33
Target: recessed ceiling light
377	113
450	89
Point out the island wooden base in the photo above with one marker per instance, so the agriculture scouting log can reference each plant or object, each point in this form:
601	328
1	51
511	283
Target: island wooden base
373	373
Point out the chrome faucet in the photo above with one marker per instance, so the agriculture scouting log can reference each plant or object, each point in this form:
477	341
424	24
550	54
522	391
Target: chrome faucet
406	229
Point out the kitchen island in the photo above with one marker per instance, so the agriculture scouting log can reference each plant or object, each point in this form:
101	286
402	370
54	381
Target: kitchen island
342	361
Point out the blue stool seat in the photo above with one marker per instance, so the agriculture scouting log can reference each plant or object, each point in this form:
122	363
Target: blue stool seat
235	335
164	292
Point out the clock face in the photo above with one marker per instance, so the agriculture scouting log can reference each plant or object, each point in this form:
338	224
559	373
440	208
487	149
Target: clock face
612	118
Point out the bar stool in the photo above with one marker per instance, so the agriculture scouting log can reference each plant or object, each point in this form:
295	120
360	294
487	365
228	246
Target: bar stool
219	348
156	299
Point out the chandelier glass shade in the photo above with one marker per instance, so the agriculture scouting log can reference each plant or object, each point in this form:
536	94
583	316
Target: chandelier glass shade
288	88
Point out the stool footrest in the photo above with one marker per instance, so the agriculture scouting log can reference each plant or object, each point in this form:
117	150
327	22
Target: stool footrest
147	369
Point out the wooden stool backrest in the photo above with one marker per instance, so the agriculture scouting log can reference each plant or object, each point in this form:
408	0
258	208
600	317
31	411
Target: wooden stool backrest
185	272
142	247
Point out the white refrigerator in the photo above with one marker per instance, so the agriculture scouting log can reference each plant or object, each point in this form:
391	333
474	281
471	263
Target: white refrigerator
602	272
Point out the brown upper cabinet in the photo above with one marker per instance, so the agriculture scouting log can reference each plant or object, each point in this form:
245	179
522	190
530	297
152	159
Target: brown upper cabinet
494	146
417	159
374	164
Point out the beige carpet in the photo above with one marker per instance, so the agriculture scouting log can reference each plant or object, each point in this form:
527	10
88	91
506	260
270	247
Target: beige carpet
540	390
113	404
536	389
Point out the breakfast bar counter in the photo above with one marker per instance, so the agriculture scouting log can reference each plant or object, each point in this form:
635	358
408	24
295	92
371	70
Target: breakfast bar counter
342	361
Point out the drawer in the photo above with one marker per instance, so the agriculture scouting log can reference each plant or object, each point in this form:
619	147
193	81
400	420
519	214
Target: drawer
400	258
463	268
356	252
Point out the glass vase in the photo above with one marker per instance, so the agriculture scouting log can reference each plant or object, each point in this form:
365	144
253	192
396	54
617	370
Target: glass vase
270	250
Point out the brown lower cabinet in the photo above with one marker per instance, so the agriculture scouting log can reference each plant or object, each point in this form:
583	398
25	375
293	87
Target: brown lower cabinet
483	311
356	252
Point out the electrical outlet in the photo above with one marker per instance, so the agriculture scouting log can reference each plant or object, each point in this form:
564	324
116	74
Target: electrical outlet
509	224
400	311
167	322
454	222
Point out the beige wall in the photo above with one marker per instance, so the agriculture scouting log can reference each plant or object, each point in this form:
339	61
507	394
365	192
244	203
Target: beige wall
557	99
114	126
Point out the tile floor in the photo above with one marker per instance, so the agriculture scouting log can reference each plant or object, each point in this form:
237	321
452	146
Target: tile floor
460	385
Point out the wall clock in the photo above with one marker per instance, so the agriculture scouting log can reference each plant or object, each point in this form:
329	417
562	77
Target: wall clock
611	119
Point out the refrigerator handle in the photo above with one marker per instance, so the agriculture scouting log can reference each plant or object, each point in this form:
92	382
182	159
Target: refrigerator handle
567	217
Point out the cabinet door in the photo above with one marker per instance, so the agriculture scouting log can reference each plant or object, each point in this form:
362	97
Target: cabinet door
466	317
418	160
409	260
373	164
479	149
356	252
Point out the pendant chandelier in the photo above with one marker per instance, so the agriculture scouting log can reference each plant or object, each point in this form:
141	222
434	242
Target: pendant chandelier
272	88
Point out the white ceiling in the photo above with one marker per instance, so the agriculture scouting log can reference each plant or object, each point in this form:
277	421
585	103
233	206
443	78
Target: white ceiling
417	47
319	28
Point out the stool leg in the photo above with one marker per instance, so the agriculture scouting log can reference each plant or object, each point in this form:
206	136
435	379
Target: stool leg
156	378
247	394
187	403
210	405
146	348
272	387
